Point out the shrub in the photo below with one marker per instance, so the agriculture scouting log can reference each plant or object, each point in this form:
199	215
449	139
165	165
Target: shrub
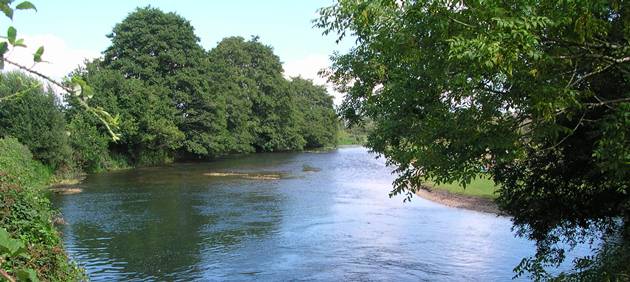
34	118
26	218
89	145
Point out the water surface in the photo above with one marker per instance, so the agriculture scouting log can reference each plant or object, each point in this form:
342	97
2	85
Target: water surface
175	223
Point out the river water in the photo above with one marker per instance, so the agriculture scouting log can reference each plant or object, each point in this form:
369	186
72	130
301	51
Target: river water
328	218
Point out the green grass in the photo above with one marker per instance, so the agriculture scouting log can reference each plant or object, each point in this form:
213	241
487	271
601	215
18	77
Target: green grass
479	187
345	138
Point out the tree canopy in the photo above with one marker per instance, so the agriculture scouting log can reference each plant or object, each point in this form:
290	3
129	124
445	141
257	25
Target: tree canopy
315	113
177	101
161	50
255	72
536	91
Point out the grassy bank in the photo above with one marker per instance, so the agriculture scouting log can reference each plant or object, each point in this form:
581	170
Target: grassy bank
355	135
480	187
346	138
479	195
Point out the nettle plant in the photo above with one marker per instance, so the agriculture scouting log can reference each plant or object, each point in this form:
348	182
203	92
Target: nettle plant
73	86
10	247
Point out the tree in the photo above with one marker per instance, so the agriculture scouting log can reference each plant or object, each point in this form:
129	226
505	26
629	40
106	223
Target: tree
316	113
228	79
162	50
148	131
253	74
535	90
35	118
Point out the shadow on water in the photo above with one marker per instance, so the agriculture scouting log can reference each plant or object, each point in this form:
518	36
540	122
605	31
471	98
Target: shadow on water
329	219
154	223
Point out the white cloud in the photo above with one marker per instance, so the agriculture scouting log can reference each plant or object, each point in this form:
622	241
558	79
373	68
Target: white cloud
60	58
308	67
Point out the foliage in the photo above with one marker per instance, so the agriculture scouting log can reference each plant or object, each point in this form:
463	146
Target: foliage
34	245
35	118
161	50
11	249
147	125
229	77
89	144
174	100
252	73
315	112
18	166
11	36
354	134
74	86
535	90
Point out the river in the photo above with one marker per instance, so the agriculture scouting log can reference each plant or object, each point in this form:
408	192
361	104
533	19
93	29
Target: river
328	218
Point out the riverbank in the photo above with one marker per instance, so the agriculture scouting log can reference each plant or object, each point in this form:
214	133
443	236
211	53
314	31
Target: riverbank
469	202
31	248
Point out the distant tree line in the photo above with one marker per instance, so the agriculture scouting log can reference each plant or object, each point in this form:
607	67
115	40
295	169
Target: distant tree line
171	99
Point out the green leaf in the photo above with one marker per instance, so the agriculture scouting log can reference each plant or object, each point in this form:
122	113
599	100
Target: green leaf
37	57
11	34
6	10
26	5
4	47
10	246
27	275
20	42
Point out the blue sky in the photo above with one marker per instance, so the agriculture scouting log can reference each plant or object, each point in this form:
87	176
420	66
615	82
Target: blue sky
72	30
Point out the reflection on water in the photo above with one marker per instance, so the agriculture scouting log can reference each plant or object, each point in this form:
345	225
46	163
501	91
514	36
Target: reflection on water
331	222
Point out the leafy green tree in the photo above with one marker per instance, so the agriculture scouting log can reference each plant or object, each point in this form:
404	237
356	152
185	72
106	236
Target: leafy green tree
148	131
35	118
254	75
161	50
229	79
316	113
354	134
538	91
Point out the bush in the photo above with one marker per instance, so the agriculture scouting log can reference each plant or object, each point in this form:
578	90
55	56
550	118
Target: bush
18	167
26	218
90	146
34	118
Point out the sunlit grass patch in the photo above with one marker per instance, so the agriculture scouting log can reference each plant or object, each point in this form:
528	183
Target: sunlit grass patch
481	186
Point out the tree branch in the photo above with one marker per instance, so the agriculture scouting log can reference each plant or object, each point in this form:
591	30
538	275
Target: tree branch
462	23
6	275
570	133
69	91
590	74
48	78
608	102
